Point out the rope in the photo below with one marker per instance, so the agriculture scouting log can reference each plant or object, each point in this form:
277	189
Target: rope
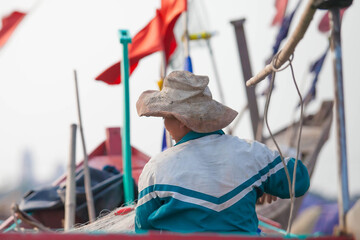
19	214
291	185
298	144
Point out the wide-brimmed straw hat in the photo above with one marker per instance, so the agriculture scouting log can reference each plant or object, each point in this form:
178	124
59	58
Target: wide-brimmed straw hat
186	97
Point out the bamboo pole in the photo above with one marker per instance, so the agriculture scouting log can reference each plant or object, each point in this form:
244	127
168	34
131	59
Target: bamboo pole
125	39
70	201
88	191
288	49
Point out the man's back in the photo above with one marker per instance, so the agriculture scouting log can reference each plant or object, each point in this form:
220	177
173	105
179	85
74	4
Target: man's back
209	184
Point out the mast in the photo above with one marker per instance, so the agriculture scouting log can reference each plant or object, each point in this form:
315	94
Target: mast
335	45
343	196
246	69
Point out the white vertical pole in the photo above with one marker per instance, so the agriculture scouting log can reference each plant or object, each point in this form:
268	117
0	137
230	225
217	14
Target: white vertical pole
70	201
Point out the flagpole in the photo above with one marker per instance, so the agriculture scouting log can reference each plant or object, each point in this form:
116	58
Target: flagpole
87	177
125	39
187	64
186	35
168	138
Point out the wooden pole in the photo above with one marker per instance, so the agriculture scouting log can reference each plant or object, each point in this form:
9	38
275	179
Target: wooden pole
125	39
246	69
70	201
290	45
88	191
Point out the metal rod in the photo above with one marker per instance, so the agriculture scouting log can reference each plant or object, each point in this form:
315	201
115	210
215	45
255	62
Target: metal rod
246	69
87	177
343	196
70	201
214	66
125	39
237	119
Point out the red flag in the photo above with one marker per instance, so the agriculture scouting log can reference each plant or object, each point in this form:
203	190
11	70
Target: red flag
280	11
324	25
144	43
148	40
156	36
9	24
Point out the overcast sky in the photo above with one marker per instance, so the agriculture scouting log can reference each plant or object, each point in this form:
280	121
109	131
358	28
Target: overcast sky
37	94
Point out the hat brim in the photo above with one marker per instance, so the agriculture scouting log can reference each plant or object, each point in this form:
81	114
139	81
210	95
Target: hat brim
200	114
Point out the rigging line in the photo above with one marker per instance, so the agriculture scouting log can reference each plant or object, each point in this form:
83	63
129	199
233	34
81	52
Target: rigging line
291	184
268	97
292	134
272	137
298	143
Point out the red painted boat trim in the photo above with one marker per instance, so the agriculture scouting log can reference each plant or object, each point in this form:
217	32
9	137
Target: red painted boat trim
150	236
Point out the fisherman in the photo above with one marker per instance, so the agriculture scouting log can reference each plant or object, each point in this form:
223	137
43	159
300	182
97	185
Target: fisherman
208	181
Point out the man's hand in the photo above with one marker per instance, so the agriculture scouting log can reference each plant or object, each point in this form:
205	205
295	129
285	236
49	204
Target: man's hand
266	198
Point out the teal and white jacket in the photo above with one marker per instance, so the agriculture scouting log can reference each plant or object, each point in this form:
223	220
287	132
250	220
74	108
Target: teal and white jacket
210	182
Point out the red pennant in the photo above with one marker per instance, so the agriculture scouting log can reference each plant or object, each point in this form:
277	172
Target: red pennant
324	25
9	24
280	12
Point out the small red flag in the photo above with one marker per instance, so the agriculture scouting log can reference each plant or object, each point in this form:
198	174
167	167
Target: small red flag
280	11
9	24
324	25
156	36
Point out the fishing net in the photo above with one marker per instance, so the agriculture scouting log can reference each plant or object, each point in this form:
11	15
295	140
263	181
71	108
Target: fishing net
120	220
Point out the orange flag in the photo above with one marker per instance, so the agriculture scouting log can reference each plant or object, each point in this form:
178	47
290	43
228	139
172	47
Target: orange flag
9	24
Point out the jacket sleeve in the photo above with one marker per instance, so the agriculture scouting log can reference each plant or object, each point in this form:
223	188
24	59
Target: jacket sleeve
277	183
143	212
